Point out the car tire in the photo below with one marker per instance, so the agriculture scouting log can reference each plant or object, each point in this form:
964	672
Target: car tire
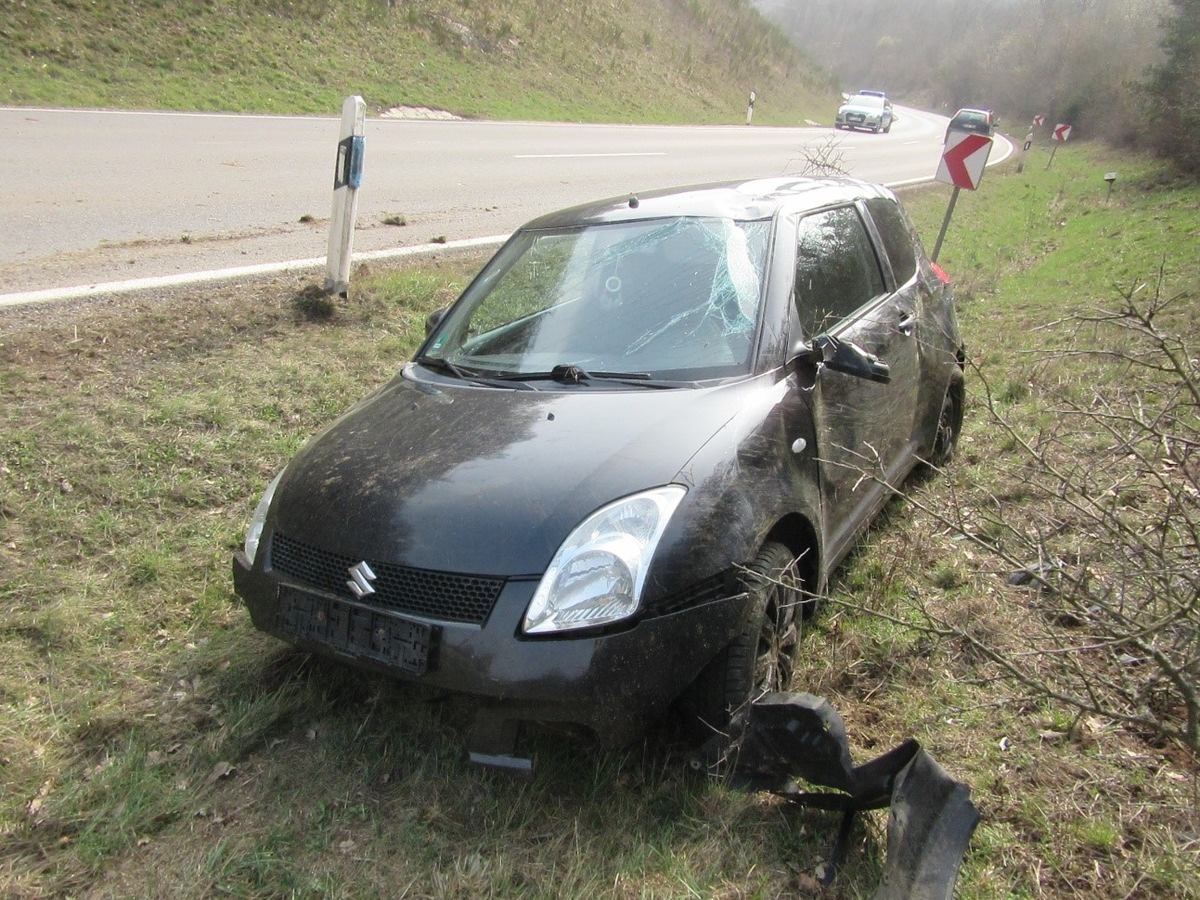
762	656
945	440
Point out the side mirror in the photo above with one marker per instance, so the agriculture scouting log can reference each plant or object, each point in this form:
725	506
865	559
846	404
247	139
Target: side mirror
842	356
432	320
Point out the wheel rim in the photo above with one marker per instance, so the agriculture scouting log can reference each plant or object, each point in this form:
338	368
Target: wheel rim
778	638
943	444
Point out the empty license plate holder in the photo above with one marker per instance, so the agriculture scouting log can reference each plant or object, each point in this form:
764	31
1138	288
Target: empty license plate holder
358	631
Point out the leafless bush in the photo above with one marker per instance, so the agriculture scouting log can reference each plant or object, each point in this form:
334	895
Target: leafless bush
1094	517
824	158
1106	531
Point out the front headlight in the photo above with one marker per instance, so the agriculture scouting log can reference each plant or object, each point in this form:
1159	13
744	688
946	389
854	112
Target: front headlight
254	532
596	577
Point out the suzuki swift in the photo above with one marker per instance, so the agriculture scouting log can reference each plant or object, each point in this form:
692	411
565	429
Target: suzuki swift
618	472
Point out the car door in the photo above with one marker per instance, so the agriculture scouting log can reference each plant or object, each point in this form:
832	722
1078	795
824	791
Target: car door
863	428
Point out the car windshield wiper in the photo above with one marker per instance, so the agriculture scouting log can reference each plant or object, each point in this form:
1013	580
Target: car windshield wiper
571	374
437	364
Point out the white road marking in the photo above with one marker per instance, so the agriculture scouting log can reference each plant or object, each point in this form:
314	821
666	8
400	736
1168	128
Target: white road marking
579	155
296	265
139	284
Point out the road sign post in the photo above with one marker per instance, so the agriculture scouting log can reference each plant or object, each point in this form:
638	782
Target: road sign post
962	165
1061	133
347	178
937	248
750	108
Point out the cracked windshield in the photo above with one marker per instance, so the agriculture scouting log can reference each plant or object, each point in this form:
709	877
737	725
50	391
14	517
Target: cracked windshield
673	298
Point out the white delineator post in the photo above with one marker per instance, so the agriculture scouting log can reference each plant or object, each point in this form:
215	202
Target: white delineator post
347	178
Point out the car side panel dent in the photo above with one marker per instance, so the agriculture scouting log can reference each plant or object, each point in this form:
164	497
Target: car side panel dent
754	478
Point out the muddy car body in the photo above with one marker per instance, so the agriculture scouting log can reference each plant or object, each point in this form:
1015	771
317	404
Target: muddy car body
569	503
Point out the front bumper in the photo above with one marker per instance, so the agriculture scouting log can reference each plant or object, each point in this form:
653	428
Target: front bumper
615	685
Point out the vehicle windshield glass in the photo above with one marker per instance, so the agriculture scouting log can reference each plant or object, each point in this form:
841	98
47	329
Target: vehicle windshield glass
674	299
868	101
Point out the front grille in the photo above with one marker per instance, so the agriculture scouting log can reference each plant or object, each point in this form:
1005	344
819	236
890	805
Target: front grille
444	596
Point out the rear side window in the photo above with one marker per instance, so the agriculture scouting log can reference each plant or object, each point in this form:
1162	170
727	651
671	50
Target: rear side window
836	268
897	240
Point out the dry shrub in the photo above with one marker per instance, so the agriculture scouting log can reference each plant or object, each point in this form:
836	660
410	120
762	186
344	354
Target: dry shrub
1099	529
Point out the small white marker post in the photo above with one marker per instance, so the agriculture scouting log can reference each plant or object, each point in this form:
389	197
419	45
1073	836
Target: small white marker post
750	108
1025	149
347	178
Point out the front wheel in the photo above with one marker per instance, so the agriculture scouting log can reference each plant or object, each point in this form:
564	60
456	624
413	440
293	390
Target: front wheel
948	428
762	657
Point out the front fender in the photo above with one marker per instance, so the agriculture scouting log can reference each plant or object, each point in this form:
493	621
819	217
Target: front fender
755	473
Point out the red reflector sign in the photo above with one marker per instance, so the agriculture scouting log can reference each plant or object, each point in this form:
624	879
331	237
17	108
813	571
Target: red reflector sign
963	160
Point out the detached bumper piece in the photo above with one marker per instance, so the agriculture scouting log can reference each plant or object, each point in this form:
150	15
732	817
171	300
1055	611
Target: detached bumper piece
785	736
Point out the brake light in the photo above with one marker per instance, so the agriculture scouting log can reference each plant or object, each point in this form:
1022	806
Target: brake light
940	272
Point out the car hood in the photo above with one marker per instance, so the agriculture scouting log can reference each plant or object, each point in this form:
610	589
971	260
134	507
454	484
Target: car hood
861	108
487	481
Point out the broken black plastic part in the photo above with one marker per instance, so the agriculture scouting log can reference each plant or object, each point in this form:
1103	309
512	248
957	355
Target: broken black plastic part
783	736
778	738
930	825
494	742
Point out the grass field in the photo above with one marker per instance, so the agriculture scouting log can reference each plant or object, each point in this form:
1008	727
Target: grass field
153	744
581	60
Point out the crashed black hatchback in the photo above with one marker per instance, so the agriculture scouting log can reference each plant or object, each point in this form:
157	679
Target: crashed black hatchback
575	501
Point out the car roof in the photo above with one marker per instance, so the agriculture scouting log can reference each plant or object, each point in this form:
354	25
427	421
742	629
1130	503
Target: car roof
965	111
743	200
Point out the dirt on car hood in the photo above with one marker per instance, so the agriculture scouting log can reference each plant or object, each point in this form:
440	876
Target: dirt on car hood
456	477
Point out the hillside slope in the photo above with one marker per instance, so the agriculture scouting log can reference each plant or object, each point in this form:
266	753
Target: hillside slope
586	60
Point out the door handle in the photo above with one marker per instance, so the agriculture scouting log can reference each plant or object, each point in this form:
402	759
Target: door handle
905	326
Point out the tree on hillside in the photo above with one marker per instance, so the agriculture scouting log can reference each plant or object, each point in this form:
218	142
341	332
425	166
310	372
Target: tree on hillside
1174	88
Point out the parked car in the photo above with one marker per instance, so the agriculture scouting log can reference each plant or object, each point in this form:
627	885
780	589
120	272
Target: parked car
972	121
622	465
868	111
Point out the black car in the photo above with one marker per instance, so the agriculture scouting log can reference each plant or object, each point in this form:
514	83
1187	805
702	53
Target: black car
971	121
622	465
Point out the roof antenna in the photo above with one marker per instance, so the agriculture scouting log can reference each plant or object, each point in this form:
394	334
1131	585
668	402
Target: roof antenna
634	202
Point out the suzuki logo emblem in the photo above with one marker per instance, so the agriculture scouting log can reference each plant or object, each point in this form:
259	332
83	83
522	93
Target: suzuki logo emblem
361	577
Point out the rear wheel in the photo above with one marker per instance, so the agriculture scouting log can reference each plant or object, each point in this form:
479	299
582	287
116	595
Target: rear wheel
948	428
761	658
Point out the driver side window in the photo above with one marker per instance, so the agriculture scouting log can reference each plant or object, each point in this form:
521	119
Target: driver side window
836	269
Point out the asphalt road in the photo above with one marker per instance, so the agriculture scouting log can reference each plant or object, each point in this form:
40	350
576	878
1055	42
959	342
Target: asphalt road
91	196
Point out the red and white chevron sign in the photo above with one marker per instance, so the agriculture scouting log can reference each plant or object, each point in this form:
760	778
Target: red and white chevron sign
1062	132
1038	120
963	160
